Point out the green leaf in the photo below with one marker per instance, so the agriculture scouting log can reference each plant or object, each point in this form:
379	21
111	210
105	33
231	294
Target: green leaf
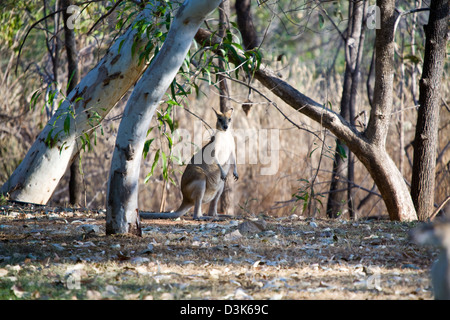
34	98
49	139
133	48
172	181
164	164
87	141
176	159
120	45
169	139
414	59
67	124
237	45
62	147
340	149
321	21
155	161
310	154
147	147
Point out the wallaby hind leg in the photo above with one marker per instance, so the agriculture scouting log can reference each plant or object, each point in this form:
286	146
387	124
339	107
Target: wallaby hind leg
212	212
197	195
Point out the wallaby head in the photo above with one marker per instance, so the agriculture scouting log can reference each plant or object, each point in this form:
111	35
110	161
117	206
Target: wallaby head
223	119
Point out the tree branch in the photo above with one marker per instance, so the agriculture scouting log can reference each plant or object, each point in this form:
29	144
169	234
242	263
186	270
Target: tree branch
297	100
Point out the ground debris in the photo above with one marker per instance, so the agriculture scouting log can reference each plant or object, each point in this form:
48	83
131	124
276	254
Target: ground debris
63	253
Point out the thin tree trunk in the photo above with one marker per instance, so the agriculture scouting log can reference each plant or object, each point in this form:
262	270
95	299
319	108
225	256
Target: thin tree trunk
122	196
426	139
401	130
37	176
343	168
73	77
413	53
380	114
227	198
245	24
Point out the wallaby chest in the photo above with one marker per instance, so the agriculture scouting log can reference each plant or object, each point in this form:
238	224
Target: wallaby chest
223	146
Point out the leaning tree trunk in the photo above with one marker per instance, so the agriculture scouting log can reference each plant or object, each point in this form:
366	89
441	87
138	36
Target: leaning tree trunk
122	214
37	176
426	139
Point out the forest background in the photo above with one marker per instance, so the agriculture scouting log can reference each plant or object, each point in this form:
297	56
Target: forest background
299	40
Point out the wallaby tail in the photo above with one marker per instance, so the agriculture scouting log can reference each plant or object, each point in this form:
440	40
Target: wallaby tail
166	215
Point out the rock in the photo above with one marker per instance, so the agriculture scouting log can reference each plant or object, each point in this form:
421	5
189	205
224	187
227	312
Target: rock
410	266
233	223
93	295
89	228
139	260
240	294
167	296
149	249
3	272
58	247
110	292
235	235
250	227
326	233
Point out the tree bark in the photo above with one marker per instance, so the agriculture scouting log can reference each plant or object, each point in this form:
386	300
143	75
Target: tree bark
342	177
227	198
37	176
73	77
122	197
245	24
380	113
426	138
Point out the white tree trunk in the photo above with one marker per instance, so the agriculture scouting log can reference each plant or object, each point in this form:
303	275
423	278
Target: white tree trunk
122	197
37	176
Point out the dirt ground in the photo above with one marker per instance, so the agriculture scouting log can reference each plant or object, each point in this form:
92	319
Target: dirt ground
61	253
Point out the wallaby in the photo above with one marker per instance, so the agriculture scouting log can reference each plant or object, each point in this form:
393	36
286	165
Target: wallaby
437	234
204	176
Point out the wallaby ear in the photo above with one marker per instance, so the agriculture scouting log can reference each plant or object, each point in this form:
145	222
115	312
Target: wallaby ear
229	112
217	114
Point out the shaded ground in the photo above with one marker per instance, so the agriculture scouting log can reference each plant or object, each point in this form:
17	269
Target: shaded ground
55	253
